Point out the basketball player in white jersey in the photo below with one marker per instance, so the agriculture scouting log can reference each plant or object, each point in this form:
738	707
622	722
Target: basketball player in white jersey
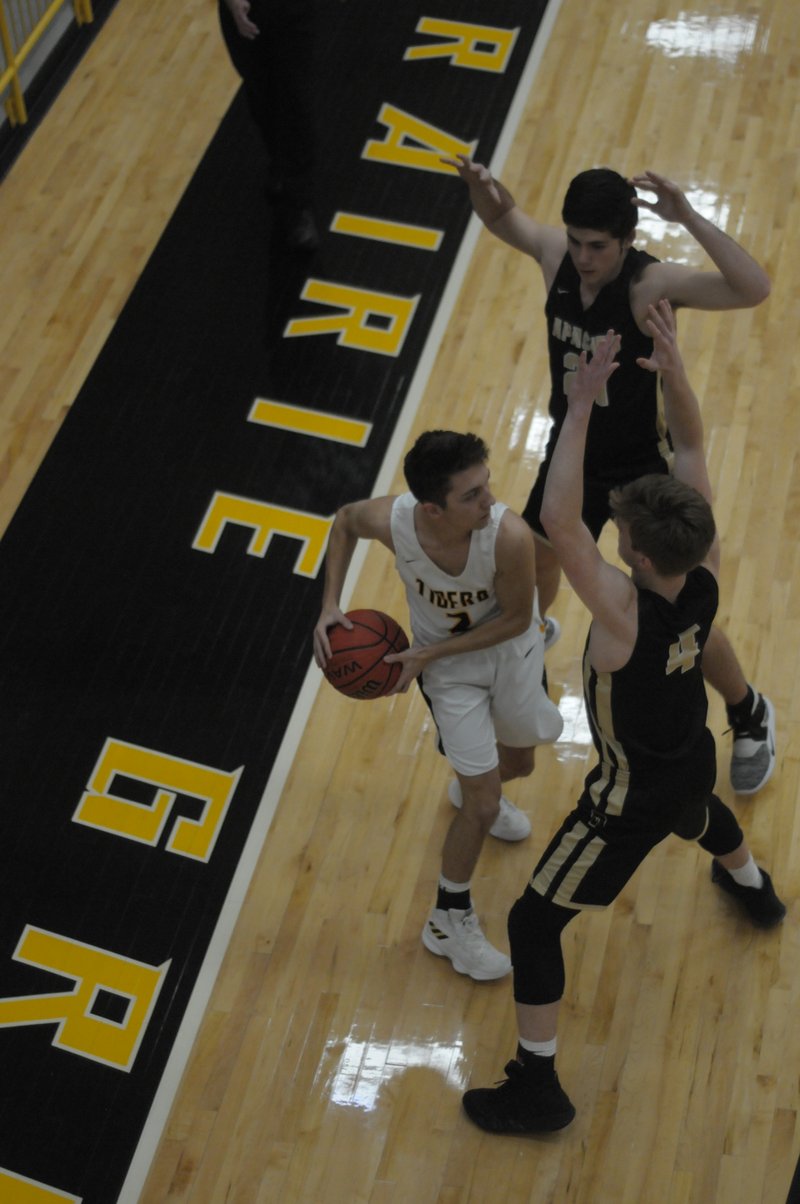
468	565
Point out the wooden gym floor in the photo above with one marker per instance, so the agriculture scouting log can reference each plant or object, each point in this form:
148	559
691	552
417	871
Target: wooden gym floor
332	1056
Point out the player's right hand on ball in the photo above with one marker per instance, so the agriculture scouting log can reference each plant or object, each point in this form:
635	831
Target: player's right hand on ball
412	663
330	616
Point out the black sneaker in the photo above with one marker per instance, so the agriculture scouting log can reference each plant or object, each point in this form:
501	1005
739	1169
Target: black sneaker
761	903
520	1104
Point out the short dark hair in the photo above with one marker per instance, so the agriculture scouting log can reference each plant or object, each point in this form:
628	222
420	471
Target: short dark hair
601	199
669	521
435	458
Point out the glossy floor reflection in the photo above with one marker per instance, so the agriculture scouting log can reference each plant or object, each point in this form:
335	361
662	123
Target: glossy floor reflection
365	1068
722	37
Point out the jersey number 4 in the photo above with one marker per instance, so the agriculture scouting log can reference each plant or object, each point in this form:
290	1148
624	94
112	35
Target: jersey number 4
685	652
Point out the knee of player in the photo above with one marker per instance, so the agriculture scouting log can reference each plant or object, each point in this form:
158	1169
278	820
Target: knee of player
524	765
534	935
487	811
482	802
517	762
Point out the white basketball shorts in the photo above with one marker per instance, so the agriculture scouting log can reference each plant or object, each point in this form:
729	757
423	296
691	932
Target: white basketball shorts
478	698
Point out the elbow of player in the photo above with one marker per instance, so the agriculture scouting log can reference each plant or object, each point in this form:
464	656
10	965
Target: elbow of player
512	624
759	289
551	522
520	622
344	520
561	535
765	289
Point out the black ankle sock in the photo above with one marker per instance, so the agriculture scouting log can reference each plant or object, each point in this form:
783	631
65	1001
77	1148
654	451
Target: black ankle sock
459	900
742	711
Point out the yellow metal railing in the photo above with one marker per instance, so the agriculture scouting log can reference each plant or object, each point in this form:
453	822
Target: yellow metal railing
22	24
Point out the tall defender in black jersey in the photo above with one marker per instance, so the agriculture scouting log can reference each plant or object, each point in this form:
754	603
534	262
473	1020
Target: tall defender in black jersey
596	280
647	704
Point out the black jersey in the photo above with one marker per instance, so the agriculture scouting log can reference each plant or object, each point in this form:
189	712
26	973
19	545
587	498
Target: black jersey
652	712
625	436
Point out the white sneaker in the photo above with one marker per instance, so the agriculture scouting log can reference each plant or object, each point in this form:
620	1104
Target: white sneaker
457	935
511	823
551	630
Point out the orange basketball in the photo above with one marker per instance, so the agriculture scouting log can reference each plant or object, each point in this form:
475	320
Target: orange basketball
356	667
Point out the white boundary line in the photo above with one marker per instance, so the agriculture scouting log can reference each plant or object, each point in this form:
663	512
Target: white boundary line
195	1010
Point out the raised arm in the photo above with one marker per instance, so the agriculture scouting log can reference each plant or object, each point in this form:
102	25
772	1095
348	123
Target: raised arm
608	592
368	519
739	282
501	215
681	408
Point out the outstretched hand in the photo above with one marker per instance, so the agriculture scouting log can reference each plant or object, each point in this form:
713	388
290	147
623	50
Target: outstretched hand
660	322
591	376
473	174
240	10
670	202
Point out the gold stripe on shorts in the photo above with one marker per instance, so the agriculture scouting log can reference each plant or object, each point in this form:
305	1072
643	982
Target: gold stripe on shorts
542	882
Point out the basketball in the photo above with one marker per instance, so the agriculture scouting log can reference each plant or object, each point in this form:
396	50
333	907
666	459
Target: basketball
356	667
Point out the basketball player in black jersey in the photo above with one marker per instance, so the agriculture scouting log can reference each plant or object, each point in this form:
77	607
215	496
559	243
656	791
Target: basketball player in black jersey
597	280
646	701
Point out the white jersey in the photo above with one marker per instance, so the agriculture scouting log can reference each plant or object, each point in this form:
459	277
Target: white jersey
441	605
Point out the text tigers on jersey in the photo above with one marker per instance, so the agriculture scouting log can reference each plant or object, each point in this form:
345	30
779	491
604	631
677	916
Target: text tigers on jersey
449	598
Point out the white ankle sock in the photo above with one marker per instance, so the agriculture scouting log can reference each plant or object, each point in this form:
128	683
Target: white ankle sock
454	888
545	1049
748	875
